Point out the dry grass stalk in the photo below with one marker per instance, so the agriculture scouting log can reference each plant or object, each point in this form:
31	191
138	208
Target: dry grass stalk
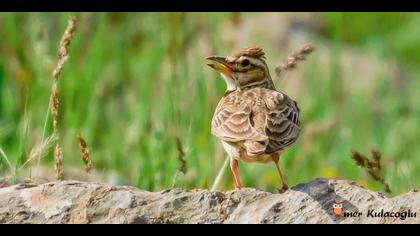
4	156
219	176
181	158
58	154
293	58
372	166
41	150
63	54
63	50
85	153
55	106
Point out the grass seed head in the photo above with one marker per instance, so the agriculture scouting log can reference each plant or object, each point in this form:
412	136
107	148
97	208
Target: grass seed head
85	153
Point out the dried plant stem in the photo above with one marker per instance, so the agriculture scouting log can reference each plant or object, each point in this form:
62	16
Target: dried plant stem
55	106
63	54
220	175
44	131
4	156
41	150
372	166
293	58
85	153
58	154
63	51
181	158
175	178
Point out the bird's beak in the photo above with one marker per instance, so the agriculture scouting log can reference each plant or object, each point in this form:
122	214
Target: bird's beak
220	64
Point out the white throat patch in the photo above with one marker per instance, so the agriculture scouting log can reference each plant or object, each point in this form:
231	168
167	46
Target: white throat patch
229	82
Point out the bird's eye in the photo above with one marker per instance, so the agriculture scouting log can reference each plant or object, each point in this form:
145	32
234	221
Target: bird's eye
340	205
245	62
335	206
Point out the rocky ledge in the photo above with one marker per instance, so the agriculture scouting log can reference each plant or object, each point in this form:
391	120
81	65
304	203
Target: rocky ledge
85	202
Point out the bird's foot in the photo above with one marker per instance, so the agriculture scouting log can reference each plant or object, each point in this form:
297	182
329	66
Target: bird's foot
283	189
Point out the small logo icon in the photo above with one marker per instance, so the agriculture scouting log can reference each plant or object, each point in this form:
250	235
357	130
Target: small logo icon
338	208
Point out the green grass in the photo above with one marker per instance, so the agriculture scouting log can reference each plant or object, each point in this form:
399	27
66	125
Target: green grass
136	82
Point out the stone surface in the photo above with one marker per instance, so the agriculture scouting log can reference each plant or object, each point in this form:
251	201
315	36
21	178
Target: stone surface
84	202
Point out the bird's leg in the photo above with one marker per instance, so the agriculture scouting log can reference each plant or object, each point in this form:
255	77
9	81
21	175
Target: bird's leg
234	168
276	158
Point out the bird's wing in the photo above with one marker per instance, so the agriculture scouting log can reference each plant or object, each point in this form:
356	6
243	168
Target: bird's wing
282	124
233	124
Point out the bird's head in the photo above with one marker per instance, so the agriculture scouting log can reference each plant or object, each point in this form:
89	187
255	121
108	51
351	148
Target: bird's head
243	69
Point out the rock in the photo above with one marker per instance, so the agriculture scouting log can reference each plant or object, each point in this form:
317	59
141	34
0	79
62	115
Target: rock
84	202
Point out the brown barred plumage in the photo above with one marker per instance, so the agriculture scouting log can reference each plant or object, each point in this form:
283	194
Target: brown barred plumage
257	115
255	122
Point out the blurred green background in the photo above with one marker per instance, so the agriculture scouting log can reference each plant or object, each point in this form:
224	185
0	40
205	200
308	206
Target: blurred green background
137	82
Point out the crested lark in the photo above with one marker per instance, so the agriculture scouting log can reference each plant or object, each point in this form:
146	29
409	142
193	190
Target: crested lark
254	121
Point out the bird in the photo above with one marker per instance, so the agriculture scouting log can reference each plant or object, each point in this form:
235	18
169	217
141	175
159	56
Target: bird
255	122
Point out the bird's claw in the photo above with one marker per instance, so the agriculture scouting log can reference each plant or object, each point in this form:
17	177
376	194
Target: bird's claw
283	189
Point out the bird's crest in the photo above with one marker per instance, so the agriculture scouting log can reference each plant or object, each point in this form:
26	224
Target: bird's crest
250	52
